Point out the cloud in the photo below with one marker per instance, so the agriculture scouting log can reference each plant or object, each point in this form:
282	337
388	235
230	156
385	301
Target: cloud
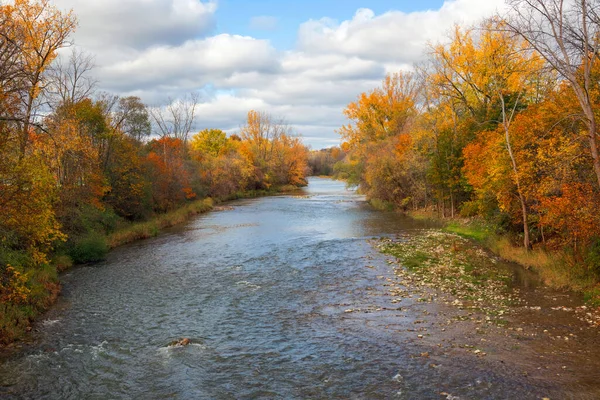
394	36
140	23
160	49
192	64
264	23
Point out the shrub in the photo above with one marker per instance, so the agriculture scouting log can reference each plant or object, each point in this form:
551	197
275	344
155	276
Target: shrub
88	248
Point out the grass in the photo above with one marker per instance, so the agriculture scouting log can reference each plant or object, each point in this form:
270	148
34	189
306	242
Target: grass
151	228
91	247
452	264
556	268
416	260
424	215
471	230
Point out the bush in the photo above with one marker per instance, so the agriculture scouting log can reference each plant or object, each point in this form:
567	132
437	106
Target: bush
592	296
89	248
592	257
381	205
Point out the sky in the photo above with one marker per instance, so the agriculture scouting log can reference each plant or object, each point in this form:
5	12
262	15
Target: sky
300	61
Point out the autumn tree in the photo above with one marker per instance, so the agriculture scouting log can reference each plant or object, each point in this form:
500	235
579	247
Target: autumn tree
321	162
225	165
259	135
442	132
383	112
168	173
74	148
209	142
379	119
566	35
32	32
493	75
129	188
395	173
289	164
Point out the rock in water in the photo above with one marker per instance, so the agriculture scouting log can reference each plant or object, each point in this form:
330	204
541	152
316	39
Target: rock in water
180	342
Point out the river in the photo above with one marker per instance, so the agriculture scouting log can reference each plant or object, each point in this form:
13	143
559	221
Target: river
263	290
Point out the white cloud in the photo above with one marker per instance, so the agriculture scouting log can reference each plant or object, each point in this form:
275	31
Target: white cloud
140	23
158	49
193	64
394	36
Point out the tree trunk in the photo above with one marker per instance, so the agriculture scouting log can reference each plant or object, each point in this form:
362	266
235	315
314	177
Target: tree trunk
506	125
594	148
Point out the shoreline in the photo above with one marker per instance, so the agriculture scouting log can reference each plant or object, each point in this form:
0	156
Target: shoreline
556	269
24	316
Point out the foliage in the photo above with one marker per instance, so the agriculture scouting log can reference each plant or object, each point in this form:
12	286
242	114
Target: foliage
89	248
321	162
483	130
209	142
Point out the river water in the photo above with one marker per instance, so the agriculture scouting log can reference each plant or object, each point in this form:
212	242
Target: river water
263	290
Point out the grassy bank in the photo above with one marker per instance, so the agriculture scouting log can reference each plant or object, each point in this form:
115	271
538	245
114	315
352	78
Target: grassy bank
453	265
435	256
151	228
557	268
34	290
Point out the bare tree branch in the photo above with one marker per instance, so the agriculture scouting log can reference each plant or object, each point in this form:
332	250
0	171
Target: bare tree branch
176	119
70	81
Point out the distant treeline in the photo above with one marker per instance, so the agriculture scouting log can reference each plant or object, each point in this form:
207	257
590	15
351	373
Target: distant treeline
322	162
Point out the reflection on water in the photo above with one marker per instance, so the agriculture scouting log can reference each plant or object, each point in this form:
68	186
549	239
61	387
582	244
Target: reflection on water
262	292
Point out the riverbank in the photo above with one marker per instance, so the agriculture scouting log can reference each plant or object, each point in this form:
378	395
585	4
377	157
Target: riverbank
40	288
469	304
559	269
152	227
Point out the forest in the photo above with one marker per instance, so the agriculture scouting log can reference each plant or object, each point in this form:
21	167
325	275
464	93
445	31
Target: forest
497	125
80	170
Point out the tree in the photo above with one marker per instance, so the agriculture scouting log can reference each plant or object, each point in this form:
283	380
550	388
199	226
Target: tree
31	34
168	173
132	118
289	164
259	135
32	31
209	142
177	118
75	147
383	112
69	81
378	118
566	35
129	192
321	162
494	76
443	130
394	173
